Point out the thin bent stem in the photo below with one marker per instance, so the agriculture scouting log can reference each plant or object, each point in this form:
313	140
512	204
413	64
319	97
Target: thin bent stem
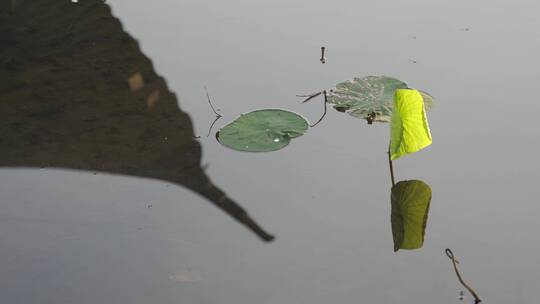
450	255
212	125
210	102
325	104
309	97
218	116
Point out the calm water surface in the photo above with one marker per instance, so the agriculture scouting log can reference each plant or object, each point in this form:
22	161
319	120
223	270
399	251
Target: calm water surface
109	220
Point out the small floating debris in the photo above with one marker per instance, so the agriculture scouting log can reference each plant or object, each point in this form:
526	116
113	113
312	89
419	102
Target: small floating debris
323	59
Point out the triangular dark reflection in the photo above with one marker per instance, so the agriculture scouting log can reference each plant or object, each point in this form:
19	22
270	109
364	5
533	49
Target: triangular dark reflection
76	92
410	207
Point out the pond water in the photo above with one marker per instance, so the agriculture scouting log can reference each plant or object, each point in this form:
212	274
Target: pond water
94	210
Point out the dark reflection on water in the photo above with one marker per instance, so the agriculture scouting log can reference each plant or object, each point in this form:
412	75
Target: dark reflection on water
76	92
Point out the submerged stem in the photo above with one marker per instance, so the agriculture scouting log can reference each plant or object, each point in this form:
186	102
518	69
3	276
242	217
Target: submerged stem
450	255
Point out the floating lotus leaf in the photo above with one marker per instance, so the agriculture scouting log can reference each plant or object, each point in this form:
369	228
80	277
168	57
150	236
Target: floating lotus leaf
370	97
410	208
262	130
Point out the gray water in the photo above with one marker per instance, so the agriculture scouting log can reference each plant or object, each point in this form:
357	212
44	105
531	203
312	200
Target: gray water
72	236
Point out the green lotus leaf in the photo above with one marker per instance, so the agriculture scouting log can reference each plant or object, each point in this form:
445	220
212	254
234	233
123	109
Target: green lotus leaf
409	129
410	208
262	130
369	98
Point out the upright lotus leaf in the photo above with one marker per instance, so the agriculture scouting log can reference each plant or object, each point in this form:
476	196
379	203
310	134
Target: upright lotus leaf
262	130
409	127
410	208
369	98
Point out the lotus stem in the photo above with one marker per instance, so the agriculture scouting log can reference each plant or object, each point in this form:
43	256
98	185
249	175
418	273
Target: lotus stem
391	166
450	255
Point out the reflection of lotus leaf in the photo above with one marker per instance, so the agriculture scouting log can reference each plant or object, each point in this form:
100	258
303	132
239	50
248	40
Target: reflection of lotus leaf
410	208
369	97
262	130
